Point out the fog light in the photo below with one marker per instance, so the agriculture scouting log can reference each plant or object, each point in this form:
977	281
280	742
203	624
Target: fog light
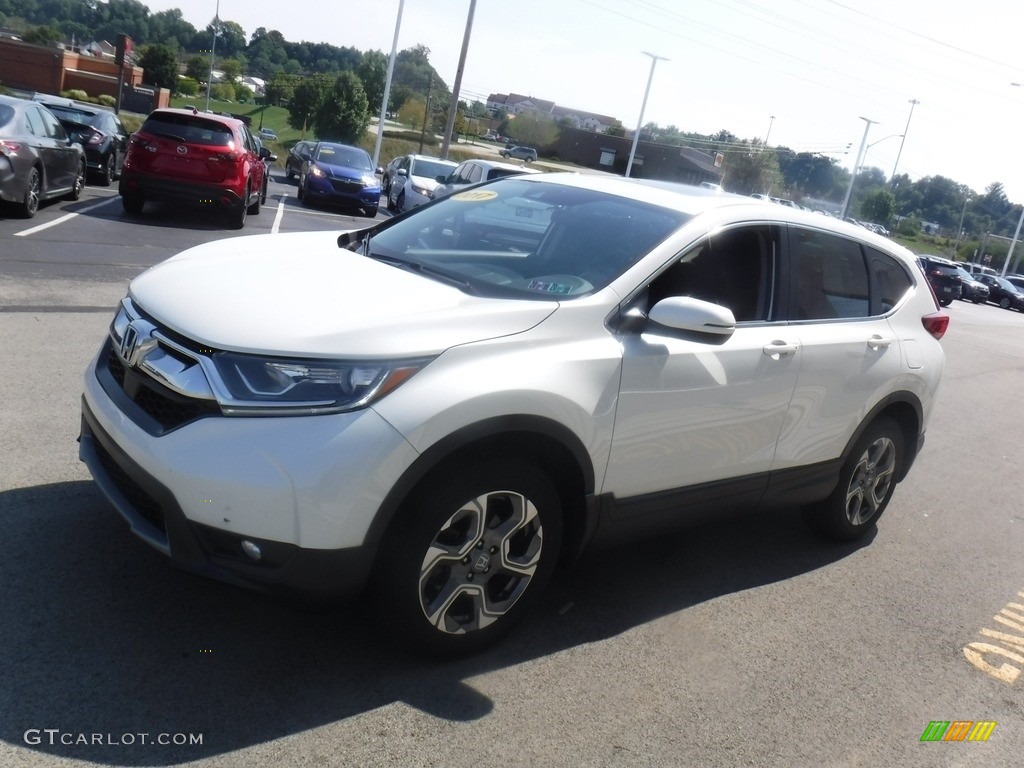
251	550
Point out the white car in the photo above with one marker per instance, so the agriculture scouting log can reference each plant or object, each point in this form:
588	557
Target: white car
439	409
409	180
476	172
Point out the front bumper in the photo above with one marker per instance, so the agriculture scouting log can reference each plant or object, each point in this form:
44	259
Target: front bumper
305	490
341	192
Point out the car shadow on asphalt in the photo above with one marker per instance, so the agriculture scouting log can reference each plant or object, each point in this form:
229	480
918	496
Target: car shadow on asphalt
99	635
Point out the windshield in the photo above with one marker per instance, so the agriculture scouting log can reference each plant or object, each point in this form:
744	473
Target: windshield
525	239
431	169
72	115
339	154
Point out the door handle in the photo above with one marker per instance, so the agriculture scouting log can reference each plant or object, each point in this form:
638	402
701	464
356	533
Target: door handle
879	342
778	349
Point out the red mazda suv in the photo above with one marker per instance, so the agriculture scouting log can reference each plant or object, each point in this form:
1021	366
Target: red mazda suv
185	156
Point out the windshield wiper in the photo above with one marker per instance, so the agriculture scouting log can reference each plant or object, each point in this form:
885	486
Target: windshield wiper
171	136
427	270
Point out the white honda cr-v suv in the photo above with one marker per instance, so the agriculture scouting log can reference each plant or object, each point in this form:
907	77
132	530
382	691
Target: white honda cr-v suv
439	409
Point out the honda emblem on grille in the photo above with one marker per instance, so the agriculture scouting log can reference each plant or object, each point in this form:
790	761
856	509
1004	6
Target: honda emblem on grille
129	342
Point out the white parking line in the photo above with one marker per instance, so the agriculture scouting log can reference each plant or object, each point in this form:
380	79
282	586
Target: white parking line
279	216
60	220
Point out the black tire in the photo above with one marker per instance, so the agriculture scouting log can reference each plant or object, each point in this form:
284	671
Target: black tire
865	485
254	209
132	203
107	172
33	190
79	183
400	202
976	300
371	212
498	526
945	302
289	174
385	185
1004	303
237	214
301	192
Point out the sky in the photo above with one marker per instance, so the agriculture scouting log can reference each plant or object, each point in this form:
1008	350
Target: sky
799	73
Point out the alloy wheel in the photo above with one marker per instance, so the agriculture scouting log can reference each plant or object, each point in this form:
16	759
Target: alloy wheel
480	562
871	480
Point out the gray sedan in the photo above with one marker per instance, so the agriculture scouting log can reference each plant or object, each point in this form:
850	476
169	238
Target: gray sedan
38	160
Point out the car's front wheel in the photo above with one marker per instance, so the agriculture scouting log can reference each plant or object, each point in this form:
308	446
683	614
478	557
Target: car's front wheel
472	549
1004	303
79	183
865	485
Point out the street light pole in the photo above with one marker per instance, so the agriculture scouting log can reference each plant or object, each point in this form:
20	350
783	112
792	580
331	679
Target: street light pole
387	87
643	106
771	121
960	228
849	190
913	103
213	49
1016	237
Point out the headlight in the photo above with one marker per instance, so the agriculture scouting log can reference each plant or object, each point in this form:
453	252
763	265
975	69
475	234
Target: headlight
370	181
276	386
316	171
421	190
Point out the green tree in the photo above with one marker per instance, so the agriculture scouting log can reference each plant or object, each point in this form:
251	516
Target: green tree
198	68
879	205
412	112
305	101
160	65
373	71
751	170
343	114
533	131
615	130
43	35
232	69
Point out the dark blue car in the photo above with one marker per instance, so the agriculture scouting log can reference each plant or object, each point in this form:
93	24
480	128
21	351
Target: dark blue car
342	175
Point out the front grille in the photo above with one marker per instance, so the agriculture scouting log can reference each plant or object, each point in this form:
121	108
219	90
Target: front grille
167	408
140	501
347	187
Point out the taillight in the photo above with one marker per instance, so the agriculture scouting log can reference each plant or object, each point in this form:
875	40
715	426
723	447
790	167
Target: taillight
228	157
9	148
936	324
95	137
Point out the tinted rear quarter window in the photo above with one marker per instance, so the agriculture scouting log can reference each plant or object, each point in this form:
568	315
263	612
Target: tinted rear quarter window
830	278
891	281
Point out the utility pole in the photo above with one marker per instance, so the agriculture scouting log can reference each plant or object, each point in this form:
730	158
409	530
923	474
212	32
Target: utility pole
913	103
453	108
856	166
426	110
213	49
643	107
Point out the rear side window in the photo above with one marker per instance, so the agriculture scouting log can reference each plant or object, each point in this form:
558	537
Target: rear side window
890	281
829	277
6	114
189	130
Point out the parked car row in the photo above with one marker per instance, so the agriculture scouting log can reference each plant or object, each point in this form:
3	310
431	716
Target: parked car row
952	280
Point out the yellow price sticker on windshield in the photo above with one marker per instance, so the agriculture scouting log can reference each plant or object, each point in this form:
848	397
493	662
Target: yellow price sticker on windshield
475	195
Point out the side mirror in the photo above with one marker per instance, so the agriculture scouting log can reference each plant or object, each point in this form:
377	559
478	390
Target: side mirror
684	313
441	179
379	171
402	172
306	156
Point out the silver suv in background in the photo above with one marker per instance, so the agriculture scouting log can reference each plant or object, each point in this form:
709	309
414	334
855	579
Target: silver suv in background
475	172
528	154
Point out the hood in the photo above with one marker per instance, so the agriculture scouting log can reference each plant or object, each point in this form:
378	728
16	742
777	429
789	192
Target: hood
300	294
343	171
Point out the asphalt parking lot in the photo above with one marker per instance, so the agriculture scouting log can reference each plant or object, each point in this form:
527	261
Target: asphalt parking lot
750	643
